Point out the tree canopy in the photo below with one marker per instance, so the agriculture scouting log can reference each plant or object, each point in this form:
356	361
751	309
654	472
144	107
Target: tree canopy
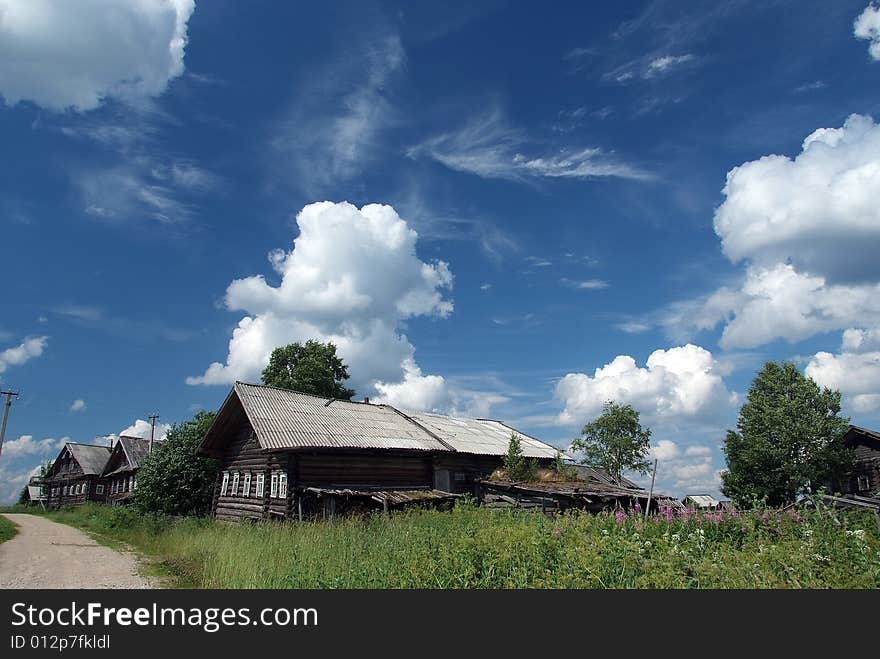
174	480
517	467
788	436
313	368
615	441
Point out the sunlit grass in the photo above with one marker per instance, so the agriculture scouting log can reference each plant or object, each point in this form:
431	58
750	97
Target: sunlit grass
477	548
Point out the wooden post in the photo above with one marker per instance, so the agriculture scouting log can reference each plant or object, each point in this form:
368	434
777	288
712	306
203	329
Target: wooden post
651	491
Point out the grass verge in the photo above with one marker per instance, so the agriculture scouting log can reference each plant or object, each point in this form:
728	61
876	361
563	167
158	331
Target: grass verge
7	529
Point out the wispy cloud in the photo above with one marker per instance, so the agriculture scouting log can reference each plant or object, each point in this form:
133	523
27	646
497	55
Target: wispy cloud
138	329
143	180
332	130
585	284
489	147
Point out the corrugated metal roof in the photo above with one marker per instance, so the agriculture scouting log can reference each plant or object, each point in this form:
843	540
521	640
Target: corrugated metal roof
702	500
480	436
287	419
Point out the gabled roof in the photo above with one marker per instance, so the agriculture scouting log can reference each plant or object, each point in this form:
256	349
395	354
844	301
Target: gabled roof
854	431
702	500
480	436
91	459
132	451
284	419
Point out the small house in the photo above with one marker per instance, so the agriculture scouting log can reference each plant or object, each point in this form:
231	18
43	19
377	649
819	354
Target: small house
75	475
119	477
863	479
701	502
288	455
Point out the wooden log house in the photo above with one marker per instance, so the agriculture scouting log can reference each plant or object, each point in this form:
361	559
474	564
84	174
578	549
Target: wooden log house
119	477
287	455
75	475
863	480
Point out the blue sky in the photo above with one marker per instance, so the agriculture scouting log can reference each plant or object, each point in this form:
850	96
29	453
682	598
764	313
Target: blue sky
528	211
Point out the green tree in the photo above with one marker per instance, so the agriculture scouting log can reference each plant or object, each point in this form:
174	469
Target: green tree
313	368
174	480
615	441
788	436
516	465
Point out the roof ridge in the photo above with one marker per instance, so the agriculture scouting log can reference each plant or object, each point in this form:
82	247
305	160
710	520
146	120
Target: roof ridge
299	393
419	425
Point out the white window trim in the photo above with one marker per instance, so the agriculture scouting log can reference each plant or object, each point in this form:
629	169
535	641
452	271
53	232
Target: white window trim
99	489
235	478
225	484
282	485
246	488
261	484
273	489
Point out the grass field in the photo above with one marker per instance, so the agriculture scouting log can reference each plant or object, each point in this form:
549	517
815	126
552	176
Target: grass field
7	529
478	548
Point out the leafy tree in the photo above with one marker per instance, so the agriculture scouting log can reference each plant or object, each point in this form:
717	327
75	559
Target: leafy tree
313	368
174	480
615	441
516	465
788	436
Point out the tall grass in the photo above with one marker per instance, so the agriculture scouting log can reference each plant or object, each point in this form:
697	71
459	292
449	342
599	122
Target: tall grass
477	548
7	529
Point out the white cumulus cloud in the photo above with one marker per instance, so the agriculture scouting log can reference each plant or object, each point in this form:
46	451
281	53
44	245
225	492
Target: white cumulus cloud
680	383
415	392
353	278
867	26
28	349
62	54
78	405
854	371
27	445
141	428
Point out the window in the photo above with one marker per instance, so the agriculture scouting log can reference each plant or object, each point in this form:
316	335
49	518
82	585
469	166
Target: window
863	483
86	487
261	484
99	489
234	492
282	485
224	484
273	491
130	478
459	476
134	482
246	488
64	491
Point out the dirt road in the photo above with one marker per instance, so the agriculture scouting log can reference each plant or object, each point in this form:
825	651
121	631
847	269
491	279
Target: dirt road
46	554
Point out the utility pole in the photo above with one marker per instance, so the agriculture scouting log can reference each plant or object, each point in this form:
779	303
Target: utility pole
153	418
9	395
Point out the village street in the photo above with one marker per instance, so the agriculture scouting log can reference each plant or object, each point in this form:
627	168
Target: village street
46	554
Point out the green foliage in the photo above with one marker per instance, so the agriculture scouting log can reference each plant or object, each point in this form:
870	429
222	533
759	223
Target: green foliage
563	471
788	436
516	466
313	368
472	547
174	480
7	529
615	441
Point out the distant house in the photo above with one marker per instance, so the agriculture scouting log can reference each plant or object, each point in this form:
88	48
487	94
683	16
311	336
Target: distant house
285	454
119	477
701	502
863	479
33	495
75	475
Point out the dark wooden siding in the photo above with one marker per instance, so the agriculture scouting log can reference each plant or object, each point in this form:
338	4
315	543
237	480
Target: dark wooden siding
71	480
363	469
244	456
867	465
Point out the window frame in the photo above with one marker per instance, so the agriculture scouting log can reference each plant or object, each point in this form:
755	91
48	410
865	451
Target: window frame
246	485
224	484
236	477
261	485
273	486
282	485
99	489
